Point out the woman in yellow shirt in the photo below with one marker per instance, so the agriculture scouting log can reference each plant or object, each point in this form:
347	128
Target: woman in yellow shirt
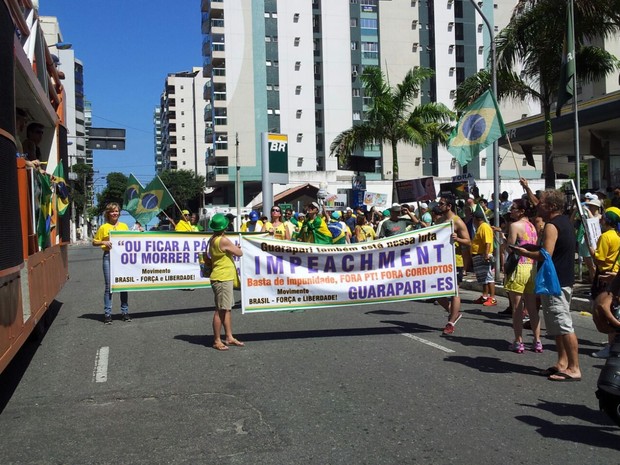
276	227
223	277
102	239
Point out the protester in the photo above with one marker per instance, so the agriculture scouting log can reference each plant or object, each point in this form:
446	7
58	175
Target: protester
102	239
363	232
606	261
223	277
193	220
396	224
184	225
460	237
424	214
276	227
314	228
34	136
351	221
592	210
253	224
520	283
341	234
558	240
137	227
482	258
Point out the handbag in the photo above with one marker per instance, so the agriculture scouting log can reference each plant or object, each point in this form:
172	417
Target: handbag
510	264
547	278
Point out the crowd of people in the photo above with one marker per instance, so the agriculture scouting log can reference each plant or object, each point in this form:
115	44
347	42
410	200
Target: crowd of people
533	228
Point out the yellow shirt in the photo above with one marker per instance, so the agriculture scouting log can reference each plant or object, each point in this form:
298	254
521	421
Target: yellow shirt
183	226
103	233
279	232
607	249
484	235
224	268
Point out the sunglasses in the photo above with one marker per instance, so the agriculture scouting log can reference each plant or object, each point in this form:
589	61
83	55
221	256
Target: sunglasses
275	209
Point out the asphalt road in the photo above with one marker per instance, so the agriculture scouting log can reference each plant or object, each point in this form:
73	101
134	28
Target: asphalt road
375	384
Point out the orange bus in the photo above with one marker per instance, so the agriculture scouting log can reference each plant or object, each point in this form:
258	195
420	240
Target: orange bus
35	237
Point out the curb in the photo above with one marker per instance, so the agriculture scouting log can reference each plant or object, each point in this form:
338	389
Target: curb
578	304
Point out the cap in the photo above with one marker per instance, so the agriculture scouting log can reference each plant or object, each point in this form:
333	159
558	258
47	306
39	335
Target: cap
395	207
386	213
301	214
471	196
595	202
336	215
314	205
185	212
590	196
218	222
253	215
479	214
612	216
424	205
348	209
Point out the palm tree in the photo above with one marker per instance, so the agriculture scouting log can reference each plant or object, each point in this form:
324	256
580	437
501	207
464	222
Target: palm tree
391	118
532	43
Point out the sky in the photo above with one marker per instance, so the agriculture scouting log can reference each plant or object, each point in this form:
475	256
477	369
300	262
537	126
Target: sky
127	49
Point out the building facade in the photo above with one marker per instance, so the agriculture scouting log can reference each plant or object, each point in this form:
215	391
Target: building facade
180	123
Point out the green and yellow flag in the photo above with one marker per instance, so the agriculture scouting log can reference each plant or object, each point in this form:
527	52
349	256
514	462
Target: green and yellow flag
44	210
132	194
61	190
480	126
154	198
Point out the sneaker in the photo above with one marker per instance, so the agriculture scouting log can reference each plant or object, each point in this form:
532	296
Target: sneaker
126	317
517	347
490	302
507	312
603	353
449	329
480	300
107	319
538	347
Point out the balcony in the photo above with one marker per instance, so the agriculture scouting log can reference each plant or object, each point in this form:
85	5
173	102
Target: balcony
218	50
217	25
211	5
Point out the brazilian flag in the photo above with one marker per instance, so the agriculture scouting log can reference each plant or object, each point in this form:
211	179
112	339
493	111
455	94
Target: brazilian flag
132	194
62	190
44	212
154	198
480	126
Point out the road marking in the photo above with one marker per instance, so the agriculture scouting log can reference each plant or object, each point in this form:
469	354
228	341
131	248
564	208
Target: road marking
423	341
100	374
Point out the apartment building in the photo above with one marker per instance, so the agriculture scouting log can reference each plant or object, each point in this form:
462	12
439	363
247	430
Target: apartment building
180	124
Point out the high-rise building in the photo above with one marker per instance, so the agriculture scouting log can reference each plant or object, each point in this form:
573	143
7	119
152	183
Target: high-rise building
180	123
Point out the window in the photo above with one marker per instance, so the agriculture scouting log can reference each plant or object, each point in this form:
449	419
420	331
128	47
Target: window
296	41
356	92
268	63
297	65
357	116
354	45
296	18
353	22
298	90
267	39
300	136
368	23
298	114
276	63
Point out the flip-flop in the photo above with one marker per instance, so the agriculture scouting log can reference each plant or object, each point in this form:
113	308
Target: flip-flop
235	342
562	377
550	371
220	346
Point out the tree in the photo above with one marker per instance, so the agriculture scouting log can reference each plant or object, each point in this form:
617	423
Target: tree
184	185
391	118
531	45
113	192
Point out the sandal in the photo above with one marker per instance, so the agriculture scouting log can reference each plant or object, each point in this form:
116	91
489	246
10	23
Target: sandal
235	342
220	346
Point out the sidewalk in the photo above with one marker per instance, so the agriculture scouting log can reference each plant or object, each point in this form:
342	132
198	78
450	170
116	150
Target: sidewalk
579	303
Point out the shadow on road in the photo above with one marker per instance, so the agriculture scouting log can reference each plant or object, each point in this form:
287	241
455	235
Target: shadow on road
494	365
14	372
138	315
594	436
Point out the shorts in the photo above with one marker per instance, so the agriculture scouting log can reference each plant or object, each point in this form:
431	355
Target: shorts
223	292
522	280
556	310
483	270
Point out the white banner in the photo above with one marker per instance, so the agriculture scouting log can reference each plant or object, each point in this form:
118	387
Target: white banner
375	199
282	275
149	261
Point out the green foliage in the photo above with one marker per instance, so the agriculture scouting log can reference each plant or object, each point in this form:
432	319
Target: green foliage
113	192
185	186
392	118
531	45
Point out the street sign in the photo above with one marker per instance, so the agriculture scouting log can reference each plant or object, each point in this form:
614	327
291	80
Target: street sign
278	158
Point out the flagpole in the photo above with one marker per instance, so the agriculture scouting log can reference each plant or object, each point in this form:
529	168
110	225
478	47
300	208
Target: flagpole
496	143
575	110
